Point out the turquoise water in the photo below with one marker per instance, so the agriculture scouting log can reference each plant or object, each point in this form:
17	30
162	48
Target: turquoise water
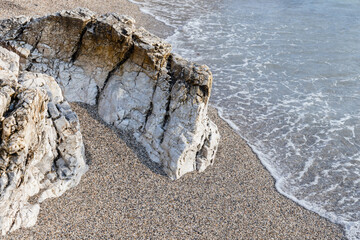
287	78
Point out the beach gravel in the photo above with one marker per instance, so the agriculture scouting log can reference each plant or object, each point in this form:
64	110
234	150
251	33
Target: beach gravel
125	196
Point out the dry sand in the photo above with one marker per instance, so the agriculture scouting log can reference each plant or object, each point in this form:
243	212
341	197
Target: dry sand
124	196
41	7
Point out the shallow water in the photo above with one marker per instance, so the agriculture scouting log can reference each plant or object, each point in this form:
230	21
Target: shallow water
287	78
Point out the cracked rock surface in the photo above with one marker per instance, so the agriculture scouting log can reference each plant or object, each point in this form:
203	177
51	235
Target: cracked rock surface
138	85
41	148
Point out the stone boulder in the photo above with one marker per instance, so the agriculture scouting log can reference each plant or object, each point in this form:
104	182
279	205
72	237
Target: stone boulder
41	148
138	85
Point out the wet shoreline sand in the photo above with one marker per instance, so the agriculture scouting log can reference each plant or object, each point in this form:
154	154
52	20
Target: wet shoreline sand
124	196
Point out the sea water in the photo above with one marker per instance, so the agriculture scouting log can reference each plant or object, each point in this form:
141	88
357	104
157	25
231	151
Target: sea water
287	79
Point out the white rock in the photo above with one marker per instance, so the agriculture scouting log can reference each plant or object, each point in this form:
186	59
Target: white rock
138	85
31	145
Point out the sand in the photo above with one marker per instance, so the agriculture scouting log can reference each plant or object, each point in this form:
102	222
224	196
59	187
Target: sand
38	7
125	196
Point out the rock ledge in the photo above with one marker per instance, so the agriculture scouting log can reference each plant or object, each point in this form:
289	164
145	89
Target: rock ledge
138	85
41	148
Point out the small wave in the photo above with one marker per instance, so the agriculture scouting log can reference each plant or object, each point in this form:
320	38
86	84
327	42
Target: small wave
287	83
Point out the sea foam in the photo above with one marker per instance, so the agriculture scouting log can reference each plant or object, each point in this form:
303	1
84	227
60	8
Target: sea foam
286	78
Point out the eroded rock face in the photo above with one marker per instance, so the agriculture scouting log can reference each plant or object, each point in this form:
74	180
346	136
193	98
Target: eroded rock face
41	149
138	85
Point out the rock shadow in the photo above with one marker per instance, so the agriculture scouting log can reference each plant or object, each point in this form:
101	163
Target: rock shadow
127	137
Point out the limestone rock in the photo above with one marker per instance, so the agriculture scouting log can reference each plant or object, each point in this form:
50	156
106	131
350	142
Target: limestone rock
41	153
138	85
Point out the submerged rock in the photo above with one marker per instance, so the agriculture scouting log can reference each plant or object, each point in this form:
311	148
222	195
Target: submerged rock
41	148
138	85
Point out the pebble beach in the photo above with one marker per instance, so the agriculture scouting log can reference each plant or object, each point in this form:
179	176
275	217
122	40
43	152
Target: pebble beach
125	196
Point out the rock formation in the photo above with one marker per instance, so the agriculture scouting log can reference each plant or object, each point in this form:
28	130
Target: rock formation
41	148
138	85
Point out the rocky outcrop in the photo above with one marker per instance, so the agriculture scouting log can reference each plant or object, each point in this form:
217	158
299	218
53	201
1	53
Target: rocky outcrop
138	85
41	148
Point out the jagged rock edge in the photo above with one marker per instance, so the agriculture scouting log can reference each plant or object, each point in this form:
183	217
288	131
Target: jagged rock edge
149	112
20	102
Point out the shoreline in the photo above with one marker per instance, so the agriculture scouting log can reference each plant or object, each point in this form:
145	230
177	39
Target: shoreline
250	209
